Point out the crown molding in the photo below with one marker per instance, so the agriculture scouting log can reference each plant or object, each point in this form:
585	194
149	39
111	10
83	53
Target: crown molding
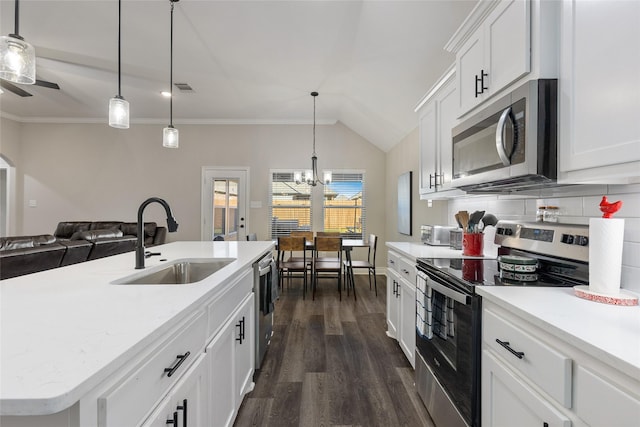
470	24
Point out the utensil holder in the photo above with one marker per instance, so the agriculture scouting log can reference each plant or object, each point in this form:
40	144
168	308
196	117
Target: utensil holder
472	244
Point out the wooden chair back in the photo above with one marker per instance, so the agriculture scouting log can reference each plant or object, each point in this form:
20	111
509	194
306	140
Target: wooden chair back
328	234
291	243
306	234
328	244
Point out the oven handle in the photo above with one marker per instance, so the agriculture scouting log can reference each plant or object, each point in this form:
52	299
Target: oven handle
446	291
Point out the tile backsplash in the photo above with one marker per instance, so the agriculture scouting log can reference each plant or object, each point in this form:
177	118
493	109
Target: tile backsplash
576	205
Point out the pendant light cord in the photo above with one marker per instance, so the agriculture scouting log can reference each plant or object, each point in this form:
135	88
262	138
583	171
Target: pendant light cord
119	49
16	25
171	70
314	125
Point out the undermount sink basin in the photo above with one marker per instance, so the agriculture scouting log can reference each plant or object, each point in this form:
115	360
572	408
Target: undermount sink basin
181	272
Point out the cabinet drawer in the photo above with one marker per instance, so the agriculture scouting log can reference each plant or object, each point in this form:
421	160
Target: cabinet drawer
392	260
224	305
128	402
407	270
600	403
541	364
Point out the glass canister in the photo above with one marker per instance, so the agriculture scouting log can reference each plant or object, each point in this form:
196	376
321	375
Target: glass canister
540	213
551	214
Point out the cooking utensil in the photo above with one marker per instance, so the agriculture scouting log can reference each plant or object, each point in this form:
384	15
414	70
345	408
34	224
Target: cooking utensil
474	220
489	219
464	219
458	220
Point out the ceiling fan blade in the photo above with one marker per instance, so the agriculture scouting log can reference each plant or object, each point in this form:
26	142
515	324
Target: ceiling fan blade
47	84
13	88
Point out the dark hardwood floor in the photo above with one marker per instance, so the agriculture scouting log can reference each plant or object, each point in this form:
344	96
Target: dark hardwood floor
330	363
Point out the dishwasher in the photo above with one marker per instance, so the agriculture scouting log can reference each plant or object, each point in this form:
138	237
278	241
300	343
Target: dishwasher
265	288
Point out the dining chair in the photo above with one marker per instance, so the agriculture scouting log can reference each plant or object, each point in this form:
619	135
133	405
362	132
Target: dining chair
369	264
308	235
324	267
289	268
328	234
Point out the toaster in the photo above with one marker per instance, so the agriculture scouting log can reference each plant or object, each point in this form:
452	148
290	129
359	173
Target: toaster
435	235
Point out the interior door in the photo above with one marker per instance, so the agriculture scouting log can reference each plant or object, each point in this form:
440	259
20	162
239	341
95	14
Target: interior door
224	201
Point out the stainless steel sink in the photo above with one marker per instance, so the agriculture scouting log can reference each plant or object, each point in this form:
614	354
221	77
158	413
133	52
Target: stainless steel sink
181	272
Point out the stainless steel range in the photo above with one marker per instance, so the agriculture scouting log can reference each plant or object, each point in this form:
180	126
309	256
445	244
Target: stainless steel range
448	310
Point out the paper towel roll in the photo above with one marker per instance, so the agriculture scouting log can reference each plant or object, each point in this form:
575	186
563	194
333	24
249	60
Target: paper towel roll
606	236
490	248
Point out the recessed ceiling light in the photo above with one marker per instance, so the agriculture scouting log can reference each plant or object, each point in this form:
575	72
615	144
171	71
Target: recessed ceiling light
165	94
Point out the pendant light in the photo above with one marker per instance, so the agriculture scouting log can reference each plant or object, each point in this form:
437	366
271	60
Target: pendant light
17	57
170	137
311	176
118	106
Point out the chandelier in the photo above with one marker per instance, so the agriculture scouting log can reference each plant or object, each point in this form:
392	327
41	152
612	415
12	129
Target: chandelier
311	176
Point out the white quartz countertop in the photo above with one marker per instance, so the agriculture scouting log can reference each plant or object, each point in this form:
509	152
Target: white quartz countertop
609	333
416	250
63	331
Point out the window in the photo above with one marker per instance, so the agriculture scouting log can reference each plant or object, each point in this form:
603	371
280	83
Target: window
290	207
225	208
344	205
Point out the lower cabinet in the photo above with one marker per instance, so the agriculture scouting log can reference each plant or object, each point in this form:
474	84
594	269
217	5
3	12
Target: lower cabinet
188	404
401	303
230	358
531	377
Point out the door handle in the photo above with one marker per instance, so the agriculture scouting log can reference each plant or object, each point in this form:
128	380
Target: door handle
183	408
502	152
174	420
181	358
505	344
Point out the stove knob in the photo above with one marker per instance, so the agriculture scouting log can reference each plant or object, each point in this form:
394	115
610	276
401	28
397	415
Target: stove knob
581	240
500	230
568	239
508	231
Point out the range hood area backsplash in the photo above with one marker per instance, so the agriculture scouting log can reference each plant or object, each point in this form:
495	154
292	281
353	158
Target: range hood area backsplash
576	203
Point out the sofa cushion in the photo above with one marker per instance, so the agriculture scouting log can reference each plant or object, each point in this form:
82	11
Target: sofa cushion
19	242
65	229
105	225
92	235
131	229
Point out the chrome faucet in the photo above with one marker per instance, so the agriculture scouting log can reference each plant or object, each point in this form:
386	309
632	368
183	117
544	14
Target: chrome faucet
172	226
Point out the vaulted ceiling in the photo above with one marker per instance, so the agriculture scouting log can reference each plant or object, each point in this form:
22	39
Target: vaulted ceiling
247	61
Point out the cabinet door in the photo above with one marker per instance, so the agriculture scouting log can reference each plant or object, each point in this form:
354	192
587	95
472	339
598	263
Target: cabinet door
508	401
244	349
447	113
469	65
222	376
507	40
428	141
188	400
393	302
600	94
408	320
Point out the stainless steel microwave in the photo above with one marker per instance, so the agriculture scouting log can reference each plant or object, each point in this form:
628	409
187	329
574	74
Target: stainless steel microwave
511	144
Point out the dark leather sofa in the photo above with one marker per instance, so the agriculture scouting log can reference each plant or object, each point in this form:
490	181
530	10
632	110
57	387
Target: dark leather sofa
71	243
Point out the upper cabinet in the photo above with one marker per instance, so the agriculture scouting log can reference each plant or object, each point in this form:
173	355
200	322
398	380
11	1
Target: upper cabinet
437	117
500	43
599	96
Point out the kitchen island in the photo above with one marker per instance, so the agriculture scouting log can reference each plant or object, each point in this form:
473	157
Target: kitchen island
76	348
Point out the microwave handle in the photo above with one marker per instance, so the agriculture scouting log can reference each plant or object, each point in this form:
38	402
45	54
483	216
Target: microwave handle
502	152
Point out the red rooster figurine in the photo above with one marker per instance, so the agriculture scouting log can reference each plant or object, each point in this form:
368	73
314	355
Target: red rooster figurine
608	208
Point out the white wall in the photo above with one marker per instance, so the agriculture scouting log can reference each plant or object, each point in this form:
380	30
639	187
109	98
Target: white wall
94	172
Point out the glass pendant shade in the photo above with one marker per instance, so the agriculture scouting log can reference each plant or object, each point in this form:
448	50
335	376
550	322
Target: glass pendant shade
118	112
170	137
17	60
297	177
327	177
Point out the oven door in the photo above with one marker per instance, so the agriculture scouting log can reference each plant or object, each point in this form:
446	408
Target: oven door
448	340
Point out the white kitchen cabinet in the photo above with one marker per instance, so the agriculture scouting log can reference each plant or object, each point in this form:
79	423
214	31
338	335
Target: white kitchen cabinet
501	44
437	117
393	303
496	54
531	377
188	403
401	303
599	96
231	368
407	339
509	401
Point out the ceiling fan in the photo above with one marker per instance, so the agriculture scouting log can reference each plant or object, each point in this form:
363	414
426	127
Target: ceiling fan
18	62
21	92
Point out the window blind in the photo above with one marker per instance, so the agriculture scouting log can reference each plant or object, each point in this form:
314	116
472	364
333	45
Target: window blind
290	205
344	205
